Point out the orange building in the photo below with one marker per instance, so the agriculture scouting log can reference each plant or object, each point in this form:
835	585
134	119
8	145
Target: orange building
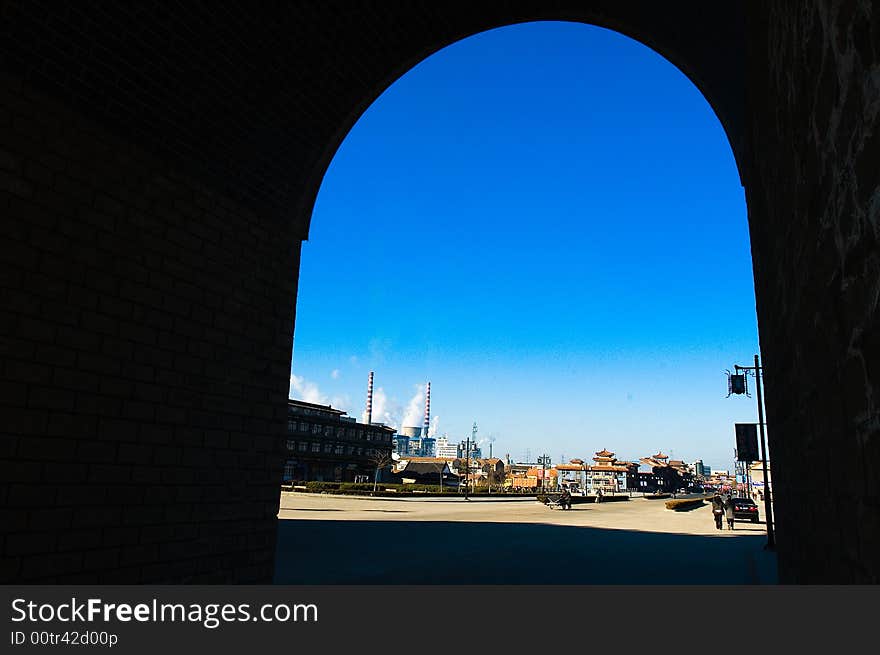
533	478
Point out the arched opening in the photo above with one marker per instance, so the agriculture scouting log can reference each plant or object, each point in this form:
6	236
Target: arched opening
577	216
153	213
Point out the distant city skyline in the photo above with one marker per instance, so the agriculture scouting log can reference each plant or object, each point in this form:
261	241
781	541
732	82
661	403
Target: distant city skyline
545	221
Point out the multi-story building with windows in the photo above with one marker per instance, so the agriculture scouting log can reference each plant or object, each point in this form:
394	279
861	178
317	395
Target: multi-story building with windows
324	444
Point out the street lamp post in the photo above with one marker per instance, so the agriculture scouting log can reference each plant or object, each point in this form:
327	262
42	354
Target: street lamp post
467	466
768	507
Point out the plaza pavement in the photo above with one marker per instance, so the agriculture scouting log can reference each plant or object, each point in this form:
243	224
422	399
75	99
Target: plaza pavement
326	539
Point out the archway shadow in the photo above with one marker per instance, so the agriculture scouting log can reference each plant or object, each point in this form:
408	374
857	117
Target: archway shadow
447	552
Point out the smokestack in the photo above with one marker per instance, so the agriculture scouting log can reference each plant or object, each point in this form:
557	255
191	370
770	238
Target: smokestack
370	400
427	410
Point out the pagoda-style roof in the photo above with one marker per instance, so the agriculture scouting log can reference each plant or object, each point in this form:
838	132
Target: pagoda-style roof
660	455
605	453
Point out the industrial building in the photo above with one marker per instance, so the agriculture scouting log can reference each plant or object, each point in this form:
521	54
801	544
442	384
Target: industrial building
324	444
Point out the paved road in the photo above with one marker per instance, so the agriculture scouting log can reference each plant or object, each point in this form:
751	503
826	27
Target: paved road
344	540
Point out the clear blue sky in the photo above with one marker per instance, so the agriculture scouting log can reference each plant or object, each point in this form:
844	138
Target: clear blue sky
545	221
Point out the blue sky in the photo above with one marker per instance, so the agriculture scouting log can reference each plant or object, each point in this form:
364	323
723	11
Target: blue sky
545	221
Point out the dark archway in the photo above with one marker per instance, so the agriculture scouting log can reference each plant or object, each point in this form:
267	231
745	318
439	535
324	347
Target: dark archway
157	173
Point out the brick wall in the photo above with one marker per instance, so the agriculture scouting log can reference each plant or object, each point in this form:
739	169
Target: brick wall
157	171
158	167
145	354
814	206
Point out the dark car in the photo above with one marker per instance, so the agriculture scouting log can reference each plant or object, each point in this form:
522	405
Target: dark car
745	508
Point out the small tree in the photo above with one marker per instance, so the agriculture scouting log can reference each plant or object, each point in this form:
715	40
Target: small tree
493	477
379	459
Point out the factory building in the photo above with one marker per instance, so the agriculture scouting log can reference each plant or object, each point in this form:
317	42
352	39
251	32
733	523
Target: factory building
324	444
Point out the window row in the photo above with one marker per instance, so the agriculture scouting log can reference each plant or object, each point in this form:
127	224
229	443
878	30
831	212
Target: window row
338	431
328	448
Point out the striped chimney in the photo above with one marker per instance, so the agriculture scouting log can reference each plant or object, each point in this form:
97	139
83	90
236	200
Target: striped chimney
427	410
370	400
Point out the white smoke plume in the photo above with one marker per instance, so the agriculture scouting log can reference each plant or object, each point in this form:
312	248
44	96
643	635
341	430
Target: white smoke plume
415	410
306	390
303	389
432	430
384	410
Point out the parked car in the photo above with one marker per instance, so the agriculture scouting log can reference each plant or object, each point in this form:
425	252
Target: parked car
745	508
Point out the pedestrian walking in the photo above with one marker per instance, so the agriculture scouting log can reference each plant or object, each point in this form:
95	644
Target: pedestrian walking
728	511
565	500
599	496
717	510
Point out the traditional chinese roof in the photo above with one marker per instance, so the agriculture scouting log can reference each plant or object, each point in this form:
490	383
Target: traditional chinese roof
605	453
576	461
660	455
607	467
570	467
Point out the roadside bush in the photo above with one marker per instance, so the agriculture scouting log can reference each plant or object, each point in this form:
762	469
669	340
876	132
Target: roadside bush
322	486
605	499
684	504
359	486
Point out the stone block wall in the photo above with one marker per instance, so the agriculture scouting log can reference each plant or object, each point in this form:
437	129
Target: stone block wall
144	361
814	210
157	171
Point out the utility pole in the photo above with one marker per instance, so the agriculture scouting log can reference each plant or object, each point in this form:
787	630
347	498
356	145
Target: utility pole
768	507
467	466
543	460
473	439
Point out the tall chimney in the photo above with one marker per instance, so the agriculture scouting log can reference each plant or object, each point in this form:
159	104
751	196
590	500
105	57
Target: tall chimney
427	410
370	400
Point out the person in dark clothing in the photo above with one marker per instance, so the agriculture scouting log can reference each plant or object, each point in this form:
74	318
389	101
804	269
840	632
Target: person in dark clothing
728	511
565	499
717	510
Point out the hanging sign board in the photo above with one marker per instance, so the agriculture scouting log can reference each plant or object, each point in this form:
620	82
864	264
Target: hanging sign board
746	442
738	384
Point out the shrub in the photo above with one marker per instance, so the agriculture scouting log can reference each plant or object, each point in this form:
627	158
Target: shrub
684	503
322	486
605	499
